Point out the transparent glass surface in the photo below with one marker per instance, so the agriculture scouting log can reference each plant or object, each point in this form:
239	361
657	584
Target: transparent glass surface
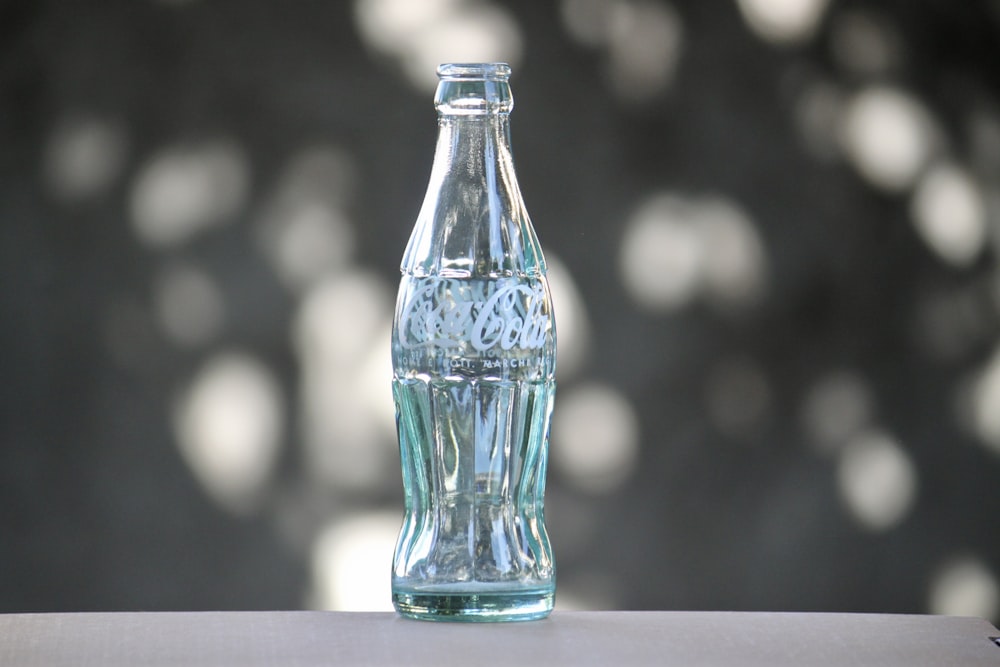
473	351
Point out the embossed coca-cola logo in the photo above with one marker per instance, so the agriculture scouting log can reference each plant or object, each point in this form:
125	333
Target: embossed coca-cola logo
443	313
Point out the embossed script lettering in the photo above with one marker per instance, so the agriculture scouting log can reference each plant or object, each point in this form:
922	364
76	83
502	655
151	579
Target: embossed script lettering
448	314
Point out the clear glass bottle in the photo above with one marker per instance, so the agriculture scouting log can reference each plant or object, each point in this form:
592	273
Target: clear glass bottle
473	353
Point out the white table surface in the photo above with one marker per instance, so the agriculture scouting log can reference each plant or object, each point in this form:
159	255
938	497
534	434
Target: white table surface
566	638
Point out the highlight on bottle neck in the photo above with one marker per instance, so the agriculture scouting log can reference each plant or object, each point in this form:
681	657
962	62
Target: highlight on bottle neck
467	89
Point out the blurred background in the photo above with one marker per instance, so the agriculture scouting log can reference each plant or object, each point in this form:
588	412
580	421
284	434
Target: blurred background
772	225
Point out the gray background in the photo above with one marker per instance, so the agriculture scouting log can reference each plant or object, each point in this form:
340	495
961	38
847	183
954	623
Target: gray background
726	491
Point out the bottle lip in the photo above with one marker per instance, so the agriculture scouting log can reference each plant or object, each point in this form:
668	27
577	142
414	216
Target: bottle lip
474	71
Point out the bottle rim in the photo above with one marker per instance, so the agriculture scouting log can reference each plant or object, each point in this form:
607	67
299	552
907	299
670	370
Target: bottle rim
474	71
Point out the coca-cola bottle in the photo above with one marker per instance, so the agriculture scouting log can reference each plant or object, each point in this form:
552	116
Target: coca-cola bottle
473	354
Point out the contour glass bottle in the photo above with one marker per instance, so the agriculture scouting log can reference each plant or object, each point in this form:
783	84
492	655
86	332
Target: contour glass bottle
473	354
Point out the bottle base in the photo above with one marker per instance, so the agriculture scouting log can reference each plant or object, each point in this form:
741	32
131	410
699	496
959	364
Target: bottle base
474	607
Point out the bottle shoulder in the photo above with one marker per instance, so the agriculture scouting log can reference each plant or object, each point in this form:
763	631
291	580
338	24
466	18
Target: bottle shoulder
497	249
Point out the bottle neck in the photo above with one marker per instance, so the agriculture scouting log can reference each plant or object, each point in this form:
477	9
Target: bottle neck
473	221
473	148
474	102
473	155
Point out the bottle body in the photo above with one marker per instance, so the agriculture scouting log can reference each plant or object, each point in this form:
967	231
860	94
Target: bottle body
473	352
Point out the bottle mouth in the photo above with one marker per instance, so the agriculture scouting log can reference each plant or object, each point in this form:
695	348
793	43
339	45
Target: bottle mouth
474	71
473	89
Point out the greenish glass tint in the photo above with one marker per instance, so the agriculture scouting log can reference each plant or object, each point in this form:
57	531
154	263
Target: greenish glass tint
473	351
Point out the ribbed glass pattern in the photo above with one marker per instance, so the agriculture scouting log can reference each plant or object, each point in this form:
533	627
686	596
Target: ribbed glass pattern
473	375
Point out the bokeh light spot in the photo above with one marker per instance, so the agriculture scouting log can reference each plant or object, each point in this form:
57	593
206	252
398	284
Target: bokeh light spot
595	437
307	240
734	262
388	24
836	408
339	316
676	249
661	255
783	21
817	114
644	46
183	190
189	305
865	43
352	561
84	156
572	323
965	586
950	215
984	139
421	35
588	21
342	338
641	40
951	323
229	425
738	396
303	229
985	407
475	33
888	136
877	480
587	591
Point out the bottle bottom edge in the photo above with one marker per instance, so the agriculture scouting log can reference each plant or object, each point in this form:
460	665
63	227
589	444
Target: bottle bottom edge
474	607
